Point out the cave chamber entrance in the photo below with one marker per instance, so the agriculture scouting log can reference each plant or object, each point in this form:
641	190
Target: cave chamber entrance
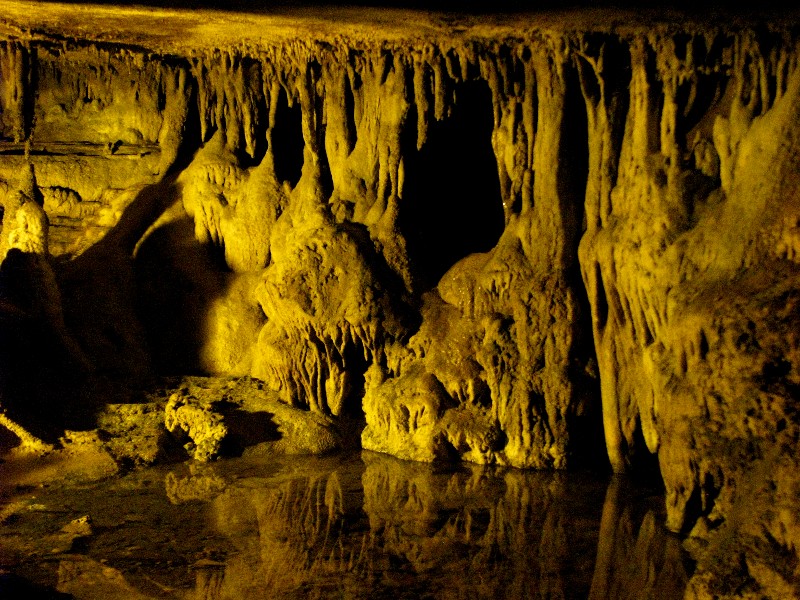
451	202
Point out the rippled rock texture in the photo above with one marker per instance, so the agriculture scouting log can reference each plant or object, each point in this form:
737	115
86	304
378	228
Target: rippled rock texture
460	238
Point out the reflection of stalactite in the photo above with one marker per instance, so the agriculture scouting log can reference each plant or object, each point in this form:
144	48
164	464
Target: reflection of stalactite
466	533
296	534
350	527
465	529
636	557
15	91
209	582
201	483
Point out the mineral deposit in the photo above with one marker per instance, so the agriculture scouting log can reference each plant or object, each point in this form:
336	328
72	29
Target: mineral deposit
499	240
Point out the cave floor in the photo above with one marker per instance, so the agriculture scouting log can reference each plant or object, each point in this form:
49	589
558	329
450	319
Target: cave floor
354	525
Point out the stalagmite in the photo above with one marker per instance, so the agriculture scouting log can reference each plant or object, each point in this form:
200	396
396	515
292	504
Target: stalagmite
505	244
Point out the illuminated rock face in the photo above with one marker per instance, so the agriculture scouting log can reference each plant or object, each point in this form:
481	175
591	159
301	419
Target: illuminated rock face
358	226
464	240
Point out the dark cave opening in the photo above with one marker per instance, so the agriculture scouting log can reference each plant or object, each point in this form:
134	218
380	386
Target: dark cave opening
287	140
350	84
451	202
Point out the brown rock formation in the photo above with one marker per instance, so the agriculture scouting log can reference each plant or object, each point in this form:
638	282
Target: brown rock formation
460	235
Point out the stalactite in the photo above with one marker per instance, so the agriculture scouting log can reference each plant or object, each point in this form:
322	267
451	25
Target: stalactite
14	91
660	164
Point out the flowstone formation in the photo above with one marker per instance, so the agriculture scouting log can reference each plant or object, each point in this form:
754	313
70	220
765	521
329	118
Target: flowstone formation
493	241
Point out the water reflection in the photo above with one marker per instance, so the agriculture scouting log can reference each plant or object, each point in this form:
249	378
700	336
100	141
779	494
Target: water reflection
637	558
480	533
367	526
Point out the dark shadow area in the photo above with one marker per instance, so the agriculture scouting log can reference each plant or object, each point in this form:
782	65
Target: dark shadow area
247	429
655	107
8	440
352	407
40	381
99	288
287	140
573	164
63	333
701	503
643	463
252	74
451	204
325	177
352	82
54	373
617	83
586	438
14	587
601	298
177	279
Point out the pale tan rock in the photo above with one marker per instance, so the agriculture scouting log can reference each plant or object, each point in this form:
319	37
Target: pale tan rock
135	432
92	579
403	416
204	427
239	416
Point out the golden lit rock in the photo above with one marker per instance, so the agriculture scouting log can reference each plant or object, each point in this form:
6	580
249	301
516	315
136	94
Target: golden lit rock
503	241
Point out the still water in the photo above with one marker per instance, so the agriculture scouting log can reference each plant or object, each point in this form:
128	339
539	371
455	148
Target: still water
350	526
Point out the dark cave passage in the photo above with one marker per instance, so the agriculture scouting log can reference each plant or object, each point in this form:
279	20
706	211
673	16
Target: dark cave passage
451	202
287	140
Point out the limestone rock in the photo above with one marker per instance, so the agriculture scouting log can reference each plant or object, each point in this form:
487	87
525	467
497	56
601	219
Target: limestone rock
234	416
199	422
83	575
403	417
292	206
135	433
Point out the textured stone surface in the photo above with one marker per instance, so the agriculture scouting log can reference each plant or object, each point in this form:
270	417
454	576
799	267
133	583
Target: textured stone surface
482	238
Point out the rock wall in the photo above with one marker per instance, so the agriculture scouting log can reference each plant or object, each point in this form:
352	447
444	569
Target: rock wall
462	241
320	266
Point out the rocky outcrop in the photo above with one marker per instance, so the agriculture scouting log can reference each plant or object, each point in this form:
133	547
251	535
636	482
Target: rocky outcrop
483	244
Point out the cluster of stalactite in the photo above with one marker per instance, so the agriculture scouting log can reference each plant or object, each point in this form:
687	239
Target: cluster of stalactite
623	221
